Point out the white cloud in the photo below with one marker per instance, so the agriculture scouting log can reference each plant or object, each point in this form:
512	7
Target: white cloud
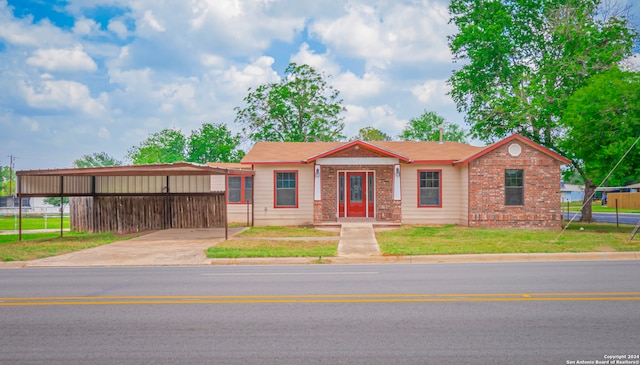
148	19
432	92
353	87
320	62
118	28
84	26
62	95
381	117
386	32
257	73
74	59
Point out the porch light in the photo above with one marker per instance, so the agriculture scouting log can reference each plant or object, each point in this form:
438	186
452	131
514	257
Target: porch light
397	171
317	171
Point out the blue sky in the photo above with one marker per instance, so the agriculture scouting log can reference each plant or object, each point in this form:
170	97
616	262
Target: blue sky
85	76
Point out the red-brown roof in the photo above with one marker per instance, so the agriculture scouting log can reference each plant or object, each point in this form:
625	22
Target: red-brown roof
405	151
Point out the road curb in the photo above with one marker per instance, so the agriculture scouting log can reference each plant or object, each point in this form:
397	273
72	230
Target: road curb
435	259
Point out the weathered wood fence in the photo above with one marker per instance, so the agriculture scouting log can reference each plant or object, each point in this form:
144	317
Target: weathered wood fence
129	214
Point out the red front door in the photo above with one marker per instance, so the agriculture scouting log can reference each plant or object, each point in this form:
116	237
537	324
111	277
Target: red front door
356	194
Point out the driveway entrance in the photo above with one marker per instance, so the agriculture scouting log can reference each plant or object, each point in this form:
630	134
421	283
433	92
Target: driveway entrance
167	247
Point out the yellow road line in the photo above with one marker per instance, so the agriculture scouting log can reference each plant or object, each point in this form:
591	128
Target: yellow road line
320	298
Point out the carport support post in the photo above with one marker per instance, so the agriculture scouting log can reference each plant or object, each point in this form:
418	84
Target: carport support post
226	189
19	209
61	202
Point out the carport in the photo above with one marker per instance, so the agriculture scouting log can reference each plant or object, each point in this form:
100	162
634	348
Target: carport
127	199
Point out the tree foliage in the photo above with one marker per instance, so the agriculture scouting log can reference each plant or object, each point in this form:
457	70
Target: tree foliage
166	146
7	177
300	108
372	134
213	143
209	143
524	59
426	127
55	201
97	159
605	116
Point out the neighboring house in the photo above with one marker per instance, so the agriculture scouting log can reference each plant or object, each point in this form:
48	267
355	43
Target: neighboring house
9	206
512	183
572	192
239	197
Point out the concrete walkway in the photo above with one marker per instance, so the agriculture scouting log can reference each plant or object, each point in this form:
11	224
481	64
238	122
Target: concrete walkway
357	240
166	247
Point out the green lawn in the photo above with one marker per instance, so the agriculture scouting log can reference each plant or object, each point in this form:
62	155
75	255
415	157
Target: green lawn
39	245
237	248
9	223
419	240
279	231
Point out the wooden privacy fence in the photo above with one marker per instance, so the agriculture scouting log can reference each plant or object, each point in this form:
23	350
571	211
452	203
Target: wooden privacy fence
625	200
129	214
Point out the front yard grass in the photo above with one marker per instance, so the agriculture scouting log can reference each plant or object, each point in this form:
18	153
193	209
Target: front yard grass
39	245
446	240
280	231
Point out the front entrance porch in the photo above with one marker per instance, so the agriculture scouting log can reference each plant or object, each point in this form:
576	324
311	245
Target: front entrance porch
358	192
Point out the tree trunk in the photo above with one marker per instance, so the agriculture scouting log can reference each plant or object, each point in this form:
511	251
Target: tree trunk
589	189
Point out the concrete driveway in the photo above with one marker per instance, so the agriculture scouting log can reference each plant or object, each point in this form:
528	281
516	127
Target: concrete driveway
167	247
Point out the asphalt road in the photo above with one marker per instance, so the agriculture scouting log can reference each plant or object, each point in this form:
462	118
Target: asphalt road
623	218
505	313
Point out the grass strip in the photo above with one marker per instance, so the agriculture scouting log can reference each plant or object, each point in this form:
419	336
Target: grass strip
279	231
238	248
10	223
39	245
446	240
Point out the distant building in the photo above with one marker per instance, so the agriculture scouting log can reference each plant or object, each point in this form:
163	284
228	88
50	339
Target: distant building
572	192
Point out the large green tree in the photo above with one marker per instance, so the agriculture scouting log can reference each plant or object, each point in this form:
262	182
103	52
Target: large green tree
7	180
97	159
605	116
213	143
523	59
302	107
372	134
426	127
166	146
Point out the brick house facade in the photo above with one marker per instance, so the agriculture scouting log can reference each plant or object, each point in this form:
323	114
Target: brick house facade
513	183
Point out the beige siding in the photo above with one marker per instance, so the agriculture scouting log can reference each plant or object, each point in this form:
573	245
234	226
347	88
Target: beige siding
236	213
217	183
453	190
265	212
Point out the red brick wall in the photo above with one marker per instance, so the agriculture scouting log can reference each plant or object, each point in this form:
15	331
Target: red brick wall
386	209
541	207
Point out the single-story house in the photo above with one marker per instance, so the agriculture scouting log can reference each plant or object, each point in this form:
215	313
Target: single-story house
511	183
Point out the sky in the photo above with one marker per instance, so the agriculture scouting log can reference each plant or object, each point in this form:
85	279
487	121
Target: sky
85	76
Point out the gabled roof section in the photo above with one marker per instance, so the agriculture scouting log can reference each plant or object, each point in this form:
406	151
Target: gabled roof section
361	144
518	137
